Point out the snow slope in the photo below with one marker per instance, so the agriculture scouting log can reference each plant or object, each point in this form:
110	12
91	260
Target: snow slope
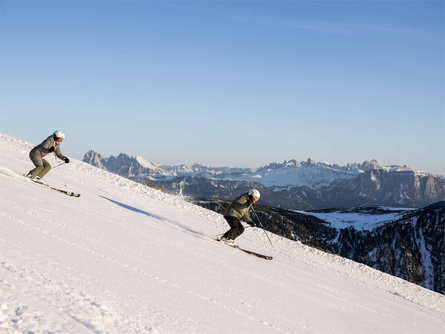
124	258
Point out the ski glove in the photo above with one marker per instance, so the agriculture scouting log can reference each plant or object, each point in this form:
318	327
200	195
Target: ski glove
66	160
51	149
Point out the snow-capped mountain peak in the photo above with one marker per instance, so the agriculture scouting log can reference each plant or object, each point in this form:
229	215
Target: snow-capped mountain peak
145	163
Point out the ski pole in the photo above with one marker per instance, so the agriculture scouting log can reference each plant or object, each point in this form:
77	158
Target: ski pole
259	220
62	163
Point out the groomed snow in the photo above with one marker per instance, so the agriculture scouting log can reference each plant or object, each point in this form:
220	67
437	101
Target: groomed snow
124	258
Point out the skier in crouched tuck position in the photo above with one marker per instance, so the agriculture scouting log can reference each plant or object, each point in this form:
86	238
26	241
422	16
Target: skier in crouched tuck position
50	144
237	210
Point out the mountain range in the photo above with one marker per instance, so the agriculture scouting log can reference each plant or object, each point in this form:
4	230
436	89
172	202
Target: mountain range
305	185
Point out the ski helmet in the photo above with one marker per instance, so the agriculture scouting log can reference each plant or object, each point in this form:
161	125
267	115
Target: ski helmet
255	194
59	134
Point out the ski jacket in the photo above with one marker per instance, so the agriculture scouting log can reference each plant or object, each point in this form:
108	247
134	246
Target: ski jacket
44	147
239	208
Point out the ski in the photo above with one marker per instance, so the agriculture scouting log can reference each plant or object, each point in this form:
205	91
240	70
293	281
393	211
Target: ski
262	256
266	257
65	192
68	193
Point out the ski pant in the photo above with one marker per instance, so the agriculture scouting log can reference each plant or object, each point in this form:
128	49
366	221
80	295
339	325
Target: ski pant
42	166
236	228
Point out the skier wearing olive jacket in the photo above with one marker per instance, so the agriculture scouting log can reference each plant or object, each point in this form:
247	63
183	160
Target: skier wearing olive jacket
237	210
50	144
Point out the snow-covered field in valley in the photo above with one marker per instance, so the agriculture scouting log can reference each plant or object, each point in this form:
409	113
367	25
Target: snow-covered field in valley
359	221
125	258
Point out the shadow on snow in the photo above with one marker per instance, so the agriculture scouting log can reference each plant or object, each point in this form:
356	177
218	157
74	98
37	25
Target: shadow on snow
132	208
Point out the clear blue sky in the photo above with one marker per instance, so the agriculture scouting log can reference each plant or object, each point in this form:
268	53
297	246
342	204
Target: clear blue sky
229	83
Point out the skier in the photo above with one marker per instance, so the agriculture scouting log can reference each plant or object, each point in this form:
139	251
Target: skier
50	144
239	209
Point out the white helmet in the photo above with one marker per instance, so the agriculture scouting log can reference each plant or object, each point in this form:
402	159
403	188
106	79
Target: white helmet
254	193
59	134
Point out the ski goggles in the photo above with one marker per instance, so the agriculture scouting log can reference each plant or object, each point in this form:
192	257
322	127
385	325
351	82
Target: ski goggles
255	199
59	139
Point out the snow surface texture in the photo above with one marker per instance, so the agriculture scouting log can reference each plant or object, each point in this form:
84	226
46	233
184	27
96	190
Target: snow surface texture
124	258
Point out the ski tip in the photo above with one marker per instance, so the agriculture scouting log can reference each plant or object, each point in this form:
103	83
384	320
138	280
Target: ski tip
265	257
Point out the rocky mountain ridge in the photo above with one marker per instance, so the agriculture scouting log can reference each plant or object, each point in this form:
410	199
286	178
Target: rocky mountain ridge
302	185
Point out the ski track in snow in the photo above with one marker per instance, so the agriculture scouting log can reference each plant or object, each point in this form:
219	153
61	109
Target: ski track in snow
125	258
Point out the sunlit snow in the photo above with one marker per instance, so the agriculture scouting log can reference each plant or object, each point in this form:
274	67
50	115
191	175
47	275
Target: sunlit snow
125	258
